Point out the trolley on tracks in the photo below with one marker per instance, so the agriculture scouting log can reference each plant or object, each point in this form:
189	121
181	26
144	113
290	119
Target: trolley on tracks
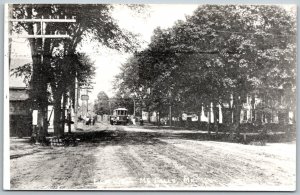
120	116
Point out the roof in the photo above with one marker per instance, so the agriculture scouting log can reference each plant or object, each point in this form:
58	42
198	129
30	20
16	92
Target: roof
18	94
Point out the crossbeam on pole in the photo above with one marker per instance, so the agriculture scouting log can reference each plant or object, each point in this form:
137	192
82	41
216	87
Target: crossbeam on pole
86	87
42	20
39	36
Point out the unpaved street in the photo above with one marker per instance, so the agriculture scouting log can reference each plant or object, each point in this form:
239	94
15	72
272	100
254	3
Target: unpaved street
132	157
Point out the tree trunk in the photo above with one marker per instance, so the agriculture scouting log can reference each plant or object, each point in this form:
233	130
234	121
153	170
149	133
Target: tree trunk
63	115
43	108
69	120
170	117
58	123
158	118
199	120
149	120
231	115
57	118
38	83
208	124
39	95
237	118
237	108
216	121
252	108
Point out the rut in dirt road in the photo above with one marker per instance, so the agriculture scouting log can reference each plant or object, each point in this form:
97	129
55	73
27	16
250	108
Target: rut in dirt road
123	157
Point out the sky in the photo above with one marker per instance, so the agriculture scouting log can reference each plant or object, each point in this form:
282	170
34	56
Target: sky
108	62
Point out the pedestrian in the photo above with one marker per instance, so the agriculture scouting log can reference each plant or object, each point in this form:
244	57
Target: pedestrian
141	122
79	118
94	119
133	120
87	121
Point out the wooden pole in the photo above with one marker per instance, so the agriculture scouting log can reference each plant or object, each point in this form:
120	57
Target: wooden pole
170	113
133	107
42	112
76	103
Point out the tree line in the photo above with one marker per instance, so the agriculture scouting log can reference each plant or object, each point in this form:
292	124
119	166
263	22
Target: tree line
220	55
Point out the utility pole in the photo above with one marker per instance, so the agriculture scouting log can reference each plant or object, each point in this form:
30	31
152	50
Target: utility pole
69	118
87	102
77	94
133	107
40	104
170	108
170	113
109	103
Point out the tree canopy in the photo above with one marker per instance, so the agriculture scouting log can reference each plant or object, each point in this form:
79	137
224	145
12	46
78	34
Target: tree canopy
102	104
62	63
219	55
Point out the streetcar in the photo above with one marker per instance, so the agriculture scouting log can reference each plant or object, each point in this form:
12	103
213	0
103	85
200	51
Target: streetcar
120	116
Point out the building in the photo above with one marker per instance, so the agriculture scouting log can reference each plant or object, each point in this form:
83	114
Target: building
19	112
258	108
20	117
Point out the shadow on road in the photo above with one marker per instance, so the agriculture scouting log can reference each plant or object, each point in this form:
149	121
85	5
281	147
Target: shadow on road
122	137
153	135
117	137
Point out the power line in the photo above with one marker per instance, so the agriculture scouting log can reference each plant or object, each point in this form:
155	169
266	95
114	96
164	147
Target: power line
251	33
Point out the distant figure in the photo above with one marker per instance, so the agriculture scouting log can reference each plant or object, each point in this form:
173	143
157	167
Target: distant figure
94	119
133	120
141	122
87	121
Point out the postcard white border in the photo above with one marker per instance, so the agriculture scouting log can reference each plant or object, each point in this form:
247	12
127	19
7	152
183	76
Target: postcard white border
6	134
6	139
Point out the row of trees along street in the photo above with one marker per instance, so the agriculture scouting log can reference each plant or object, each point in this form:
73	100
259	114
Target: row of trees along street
219	56
104	105
52	77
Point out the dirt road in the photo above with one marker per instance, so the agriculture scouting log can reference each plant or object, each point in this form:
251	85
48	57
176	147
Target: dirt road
129	157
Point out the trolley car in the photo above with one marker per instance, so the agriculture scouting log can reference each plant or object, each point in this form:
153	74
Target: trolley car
120	116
